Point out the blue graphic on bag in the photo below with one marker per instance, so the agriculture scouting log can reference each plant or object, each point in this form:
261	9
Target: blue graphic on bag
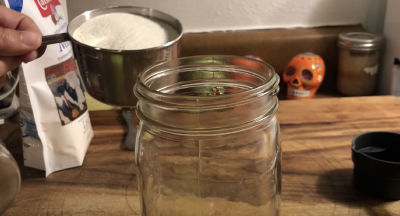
30	127
16	4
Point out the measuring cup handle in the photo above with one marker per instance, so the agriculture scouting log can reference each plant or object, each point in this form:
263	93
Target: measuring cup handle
55	39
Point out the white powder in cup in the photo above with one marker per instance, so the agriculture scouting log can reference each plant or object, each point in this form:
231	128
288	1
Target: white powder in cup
124	31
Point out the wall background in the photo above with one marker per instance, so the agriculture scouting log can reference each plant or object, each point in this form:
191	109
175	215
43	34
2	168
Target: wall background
390	76
211	15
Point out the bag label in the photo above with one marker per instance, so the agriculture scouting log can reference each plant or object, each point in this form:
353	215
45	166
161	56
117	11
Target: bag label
48	8
15	4
63	81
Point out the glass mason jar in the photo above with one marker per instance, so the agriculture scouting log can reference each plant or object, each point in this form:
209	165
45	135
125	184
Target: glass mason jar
358	64
208	140
10	178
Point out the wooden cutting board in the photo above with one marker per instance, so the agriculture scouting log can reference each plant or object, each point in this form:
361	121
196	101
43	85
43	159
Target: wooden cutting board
316	164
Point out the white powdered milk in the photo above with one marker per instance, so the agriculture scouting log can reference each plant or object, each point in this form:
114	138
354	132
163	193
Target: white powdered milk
124	31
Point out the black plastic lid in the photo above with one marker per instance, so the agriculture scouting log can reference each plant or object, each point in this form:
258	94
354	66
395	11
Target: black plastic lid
376	158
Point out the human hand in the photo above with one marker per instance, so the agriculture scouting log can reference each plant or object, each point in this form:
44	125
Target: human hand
20	39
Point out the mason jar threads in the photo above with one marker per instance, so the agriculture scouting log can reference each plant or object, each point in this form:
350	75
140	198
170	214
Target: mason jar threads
208	139
358	63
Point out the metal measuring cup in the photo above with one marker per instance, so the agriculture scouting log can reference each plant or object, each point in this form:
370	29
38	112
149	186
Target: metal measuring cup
109	75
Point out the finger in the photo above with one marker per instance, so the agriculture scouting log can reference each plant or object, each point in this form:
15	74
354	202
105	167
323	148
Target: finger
33	55
10	19
13	20
8	64
13	42
29	57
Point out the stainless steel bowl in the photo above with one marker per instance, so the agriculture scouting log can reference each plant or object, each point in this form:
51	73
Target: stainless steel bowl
109	75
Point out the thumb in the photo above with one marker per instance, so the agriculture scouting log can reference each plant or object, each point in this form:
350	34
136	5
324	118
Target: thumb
16	43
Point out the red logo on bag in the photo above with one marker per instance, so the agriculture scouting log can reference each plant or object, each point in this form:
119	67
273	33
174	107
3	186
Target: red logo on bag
48	8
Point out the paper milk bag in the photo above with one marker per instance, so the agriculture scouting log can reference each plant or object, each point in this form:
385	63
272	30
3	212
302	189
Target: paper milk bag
54	117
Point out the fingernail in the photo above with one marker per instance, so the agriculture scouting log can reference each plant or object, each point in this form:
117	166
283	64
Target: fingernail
31	38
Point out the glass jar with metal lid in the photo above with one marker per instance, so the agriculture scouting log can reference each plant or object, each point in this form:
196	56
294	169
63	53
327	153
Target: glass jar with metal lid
10	178
208	140
358	62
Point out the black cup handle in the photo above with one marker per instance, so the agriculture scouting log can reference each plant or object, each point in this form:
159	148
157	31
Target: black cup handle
55	39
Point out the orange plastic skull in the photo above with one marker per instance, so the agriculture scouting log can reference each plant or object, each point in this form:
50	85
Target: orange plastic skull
304	75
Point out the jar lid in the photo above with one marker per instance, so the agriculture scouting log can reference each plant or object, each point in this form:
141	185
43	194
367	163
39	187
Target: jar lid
362	41
10	179
376	164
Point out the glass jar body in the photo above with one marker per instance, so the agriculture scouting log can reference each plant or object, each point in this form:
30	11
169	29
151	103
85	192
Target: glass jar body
10	178
223	174
357	72
208	140
358	62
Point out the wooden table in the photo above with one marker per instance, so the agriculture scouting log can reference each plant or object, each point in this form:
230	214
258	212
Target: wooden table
316	166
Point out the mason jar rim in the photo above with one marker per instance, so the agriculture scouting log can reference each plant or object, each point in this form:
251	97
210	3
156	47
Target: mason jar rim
144	92
361	41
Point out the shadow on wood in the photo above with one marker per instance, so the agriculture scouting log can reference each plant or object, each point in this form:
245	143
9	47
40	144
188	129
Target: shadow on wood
337	185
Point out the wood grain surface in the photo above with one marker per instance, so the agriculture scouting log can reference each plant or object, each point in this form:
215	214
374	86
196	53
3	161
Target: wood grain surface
316	164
